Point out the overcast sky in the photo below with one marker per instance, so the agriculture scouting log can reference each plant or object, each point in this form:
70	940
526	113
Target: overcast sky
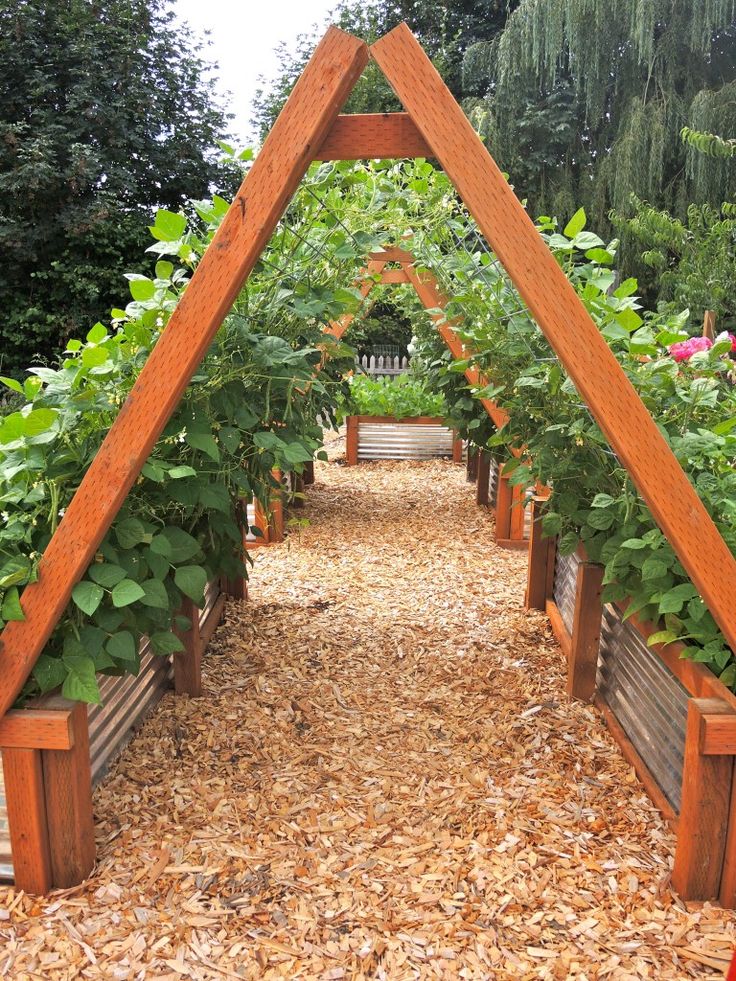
243	35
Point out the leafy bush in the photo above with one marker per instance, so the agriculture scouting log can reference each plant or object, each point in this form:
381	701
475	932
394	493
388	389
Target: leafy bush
687	386
402	397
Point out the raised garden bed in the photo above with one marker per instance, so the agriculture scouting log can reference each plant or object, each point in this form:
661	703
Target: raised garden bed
673	719
389	438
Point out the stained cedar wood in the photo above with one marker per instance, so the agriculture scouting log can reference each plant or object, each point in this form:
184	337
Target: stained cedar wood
373	136
586	632
36	729
29	835
188	663
303	124
67	779
552	300
536	583
704	811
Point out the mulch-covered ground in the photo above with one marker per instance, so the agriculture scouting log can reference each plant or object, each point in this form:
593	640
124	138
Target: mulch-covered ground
385	780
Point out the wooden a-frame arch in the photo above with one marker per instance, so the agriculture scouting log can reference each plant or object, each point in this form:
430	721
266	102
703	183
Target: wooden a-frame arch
309	128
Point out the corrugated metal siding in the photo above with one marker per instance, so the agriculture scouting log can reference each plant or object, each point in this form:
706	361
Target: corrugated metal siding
493	481
413	441
566	573
648	700
125	703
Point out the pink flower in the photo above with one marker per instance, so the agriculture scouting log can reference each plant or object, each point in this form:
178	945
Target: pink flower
684	350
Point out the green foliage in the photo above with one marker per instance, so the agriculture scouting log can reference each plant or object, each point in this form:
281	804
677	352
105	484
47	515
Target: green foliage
402	397
445	29
582	101
593	499
106	113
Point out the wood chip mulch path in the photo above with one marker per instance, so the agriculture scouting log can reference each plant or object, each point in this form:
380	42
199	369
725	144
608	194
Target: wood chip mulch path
385	780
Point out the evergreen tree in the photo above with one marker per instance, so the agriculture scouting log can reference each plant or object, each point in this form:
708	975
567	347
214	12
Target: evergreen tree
106	112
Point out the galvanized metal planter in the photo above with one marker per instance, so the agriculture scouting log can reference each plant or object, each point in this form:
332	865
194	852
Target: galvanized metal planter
126	701
386	438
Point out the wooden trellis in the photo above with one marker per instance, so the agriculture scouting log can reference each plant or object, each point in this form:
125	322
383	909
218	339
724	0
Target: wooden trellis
309	128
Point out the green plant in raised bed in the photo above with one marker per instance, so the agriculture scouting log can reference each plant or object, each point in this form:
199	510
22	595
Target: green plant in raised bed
402	397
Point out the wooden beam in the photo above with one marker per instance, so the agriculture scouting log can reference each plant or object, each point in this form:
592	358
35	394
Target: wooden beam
718	735
188	663
212	621
482	477
394	276
373	136
457	449
302	124
593	369
582	666
536	582
392	253
709	324
67	779
504	503
29	833
36	729
351	441
706	796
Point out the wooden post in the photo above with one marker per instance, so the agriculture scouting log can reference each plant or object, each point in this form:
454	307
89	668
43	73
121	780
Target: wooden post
703	822
29	833
504	500
518	514
539	554
482	477
457	449
351	441
309	473
67	778
471	464
188	663
709	324
582	665
276	513
260	521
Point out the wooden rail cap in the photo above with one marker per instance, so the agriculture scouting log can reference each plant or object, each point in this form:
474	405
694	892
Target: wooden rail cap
373	136
717	728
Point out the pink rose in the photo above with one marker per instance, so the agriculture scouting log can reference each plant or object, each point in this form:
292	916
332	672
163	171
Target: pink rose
684	350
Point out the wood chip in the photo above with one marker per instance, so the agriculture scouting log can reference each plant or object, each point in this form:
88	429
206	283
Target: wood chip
385	780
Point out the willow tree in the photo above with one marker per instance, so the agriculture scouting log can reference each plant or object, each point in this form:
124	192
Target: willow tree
583	101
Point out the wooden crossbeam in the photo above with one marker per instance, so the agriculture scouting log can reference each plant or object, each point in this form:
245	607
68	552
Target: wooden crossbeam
378	136
622	416
303	123
392	254
394	276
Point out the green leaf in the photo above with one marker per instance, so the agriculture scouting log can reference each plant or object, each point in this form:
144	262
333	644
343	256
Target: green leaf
575	224
600	519
175	545
155	594
654	568
93	357
602	501
634	543
12	384
164	642
206	443
728	677
192	581
129	532
674	599
49	672
11	608
106	574
97	334
126	592
80	684
587	240
568	543
169	227
177	473
38	421
122	647
142	289
87	596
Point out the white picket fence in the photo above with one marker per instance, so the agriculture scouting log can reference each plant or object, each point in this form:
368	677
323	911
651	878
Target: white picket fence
382	366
